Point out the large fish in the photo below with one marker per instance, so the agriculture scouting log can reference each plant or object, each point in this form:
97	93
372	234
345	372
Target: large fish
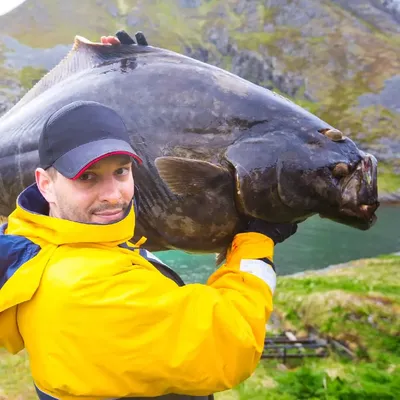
217	149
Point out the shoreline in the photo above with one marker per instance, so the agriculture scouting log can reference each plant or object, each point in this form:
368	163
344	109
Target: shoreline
390	198
332	267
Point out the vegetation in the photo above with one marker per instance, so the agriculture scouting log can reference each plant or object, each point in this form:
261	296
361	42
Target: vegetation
357	305
15	379
29	76
388	180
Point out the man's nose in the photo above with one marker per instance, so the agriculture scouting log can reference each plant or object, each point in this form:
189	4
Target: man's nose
110	191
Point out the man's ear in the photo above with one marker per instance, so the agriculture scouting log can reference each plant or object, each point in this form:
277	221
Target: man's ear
45	184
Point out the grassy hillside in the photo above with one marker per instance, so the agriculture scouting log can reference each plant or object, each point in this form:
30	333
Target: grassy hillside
357	305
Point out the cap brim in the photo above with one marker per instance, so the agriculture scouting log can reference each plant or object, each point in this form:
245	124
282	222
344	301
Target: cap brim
74	163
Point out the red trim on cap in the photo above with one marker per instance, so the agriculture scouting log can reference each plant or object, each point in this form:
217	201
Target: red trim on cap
137	158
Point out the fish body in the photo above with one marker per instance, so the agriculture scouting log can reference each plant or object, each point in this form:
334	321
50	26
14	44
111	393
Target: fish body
216	149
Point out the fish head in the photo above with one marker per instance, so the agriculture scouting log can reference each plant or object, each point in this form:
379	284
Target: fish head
334	179
288	177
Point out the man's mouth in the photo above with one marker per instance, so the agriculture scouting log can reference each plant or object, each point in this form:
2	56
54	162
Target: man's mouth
111	215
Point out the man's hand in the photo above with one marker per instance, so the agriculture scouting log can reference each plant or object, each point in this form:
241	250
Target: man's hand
277	232
110	40
122	37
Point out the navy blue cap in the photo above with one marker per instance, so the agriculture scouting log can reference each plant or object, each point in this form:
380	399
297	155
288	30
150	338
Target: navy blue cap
80	134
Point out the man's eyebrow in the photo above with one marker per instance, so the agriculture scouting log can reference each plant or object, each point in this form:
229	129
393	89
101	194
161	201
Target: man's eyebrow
121	163
125	162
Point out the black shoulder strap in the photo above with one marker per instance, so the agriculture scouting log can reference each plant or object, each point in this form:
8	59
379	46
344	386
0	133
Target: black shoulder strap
163	268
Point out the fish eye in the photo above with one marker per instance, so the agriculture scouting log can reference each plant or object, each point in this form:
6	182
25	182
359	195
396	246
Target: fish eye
334	134
340	170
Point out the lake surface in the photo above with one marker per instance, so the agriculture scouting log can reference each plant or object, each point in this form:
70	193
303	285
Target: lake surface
318	243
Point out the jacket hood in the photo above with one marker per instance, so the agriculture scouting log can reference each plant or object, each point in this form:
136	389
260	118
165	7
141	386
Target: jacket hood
31	219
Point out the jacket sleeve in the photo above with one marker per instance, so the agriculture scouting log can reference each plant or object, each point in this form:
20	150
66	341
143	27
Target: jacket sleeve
138	334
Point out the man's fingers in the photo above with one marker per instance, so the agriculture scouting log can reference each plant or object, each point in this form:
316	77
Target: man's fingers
109	40
141	39
113	40
124	38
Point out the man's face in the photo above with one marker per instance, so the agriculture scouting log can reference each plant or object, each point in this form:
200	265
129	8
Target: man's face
100	195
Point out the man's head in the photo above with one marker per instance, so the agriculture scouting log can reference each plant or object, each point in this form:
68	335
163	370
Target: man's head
85	171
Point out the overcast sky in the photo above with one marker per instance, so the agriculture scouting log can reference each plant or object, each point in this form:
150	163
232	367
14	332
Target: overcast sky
8	5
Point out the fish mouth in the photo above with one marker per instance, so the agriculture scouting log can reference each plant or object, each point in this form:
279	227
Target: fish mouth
359	196
362	217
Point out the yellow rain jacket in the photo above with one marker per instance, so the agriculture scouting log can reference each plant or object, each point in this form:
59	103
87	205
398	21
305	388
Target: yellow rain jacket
99	320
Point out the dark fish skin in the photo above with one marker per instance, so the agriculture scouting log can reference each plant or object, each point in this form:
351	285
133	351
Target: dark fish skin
226	148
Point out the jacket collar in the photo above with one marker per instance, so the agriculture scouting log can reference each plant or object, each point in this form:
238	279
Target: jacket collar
31	219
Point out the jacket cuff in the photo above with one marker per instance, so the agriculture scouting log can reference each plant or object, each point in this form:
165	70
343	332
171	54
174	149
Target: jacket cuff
250	245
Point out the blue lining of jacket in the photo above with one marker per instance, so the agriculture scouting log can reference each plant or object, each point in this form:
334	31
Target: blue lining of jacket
15	251
32	200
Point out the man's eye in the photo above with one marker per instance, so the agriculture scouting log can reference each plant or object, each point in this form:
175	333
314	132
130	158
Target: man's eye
86	176
122	171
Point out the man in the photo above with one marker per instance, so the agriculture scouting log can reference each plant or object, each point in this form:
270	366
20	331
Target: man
101	318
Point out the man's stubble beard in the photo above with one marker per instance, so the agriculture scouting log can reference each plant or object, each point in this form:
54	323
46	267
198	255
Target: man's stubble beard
71	214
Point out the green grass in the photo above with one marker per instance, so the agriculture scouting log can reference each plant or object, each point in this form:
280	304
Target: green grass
254	40
54	23
15	379
29	76
319	380
388	181
358	305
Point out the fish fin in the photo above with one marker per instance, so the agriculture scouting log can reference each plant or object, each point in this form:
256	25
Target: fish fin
185	176
84	54
141	39
124	38
248	157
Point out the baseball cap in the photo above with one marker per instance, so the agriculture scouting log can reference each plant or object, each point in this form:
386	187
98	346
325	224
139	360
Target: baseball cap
80	134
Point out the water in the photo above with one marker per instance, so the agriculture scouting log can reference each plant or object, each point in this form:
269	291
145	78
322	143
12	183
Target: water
317	244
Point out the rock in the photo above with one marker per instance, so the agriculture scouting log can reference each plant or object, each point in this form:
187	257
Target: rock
190	3
383	14
199	53
388	97
391	6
